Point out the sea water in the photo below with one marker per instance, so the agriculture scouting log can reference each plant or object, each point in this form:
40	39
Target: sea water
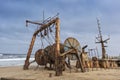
13	59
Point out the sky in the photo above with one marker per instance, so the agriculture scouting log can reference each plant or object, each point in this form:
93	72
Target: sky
77	19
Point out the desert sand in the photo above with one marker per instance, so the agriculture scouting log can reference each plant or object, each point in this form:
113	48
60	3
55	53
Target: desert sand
41	74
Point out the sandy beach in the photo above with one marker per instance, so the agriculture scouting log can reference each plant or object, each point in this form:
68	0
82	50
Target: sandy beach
41	74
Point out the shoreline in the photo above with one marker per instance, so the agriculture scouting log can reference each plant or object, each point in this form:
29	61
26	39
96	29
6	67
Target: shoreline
17	72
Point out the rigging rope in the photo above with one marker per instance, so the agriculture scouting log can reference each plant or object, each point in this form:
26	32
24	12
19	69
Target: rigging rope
48	36
42	45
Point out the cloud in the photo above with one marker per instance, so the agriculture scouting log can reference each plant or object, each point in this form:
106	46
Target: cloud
77	19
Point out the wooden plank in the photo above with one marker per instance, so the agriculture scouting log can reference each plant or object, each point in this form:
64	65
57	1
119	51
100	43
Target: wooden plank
14	79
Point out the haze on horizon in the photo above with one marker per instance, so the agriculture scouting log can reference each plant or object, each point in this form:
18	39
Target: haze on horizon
77	19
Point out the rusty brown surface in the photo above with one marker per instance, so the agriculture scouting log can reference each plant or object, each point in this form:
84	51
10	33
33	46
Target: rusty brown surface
3	78
43	27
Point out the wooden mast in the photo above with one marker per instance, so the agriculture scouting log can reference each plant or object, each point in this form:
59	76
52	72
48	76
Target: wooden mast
42	27
58	60
100	40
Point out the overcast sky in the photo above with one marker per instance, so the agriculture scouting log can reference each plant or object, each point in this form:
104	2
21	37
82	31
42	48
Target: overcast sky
77	19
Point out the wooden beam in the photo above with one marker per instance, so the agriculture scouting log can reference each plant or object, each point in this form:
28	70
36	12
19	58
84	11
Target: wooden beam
42	27
14	79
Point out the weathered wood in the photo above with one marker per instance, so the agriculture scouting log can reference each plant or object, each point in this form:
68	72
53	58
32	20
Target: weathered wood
42	27
58	61
14	79
100	40
26	65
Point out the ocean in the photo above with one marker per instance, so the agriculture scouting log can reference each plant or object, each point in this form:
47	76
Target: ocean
13	59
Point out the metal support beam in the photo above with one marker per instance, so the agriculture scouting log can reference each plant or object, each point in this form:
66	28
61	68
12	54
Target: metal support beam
58	60
27	63
42	27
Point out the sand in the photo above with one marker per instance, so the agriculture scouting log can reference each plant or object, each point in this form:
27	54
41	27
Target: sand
41	74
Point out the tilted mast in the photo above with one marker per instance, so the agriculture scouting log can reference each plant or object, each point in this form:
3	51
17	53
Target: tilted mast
100	40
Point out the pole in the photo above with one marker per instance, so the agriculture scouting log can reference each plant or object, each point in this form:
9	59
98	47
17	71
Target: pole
27	63
57	51
101	40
